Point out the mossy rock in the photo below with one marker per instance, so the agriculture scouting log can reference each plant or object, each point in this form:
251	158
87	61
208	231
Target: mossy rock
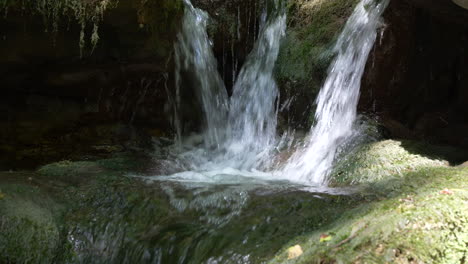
78	172
307	50
29	226
382	160
122	163
424	220
63	169
313	29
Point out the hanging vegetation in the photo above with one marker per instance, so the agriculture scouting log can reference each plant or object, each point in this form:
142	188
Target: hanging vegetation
87	13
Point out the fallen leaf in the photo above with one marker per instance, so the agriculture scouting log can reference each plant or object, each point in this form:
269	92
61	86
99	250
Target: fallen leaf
325	238
446	191
294	252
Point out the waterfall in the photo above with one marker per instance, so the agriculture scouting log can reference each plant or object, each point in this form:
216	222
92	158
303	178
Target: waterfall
240	134
252	115
241	130
338	98
194	57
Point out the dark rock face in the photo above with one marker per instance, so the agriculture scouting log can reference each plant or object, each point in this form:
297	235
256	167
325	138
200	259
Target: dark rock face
234	26
444	10
417	75
58	101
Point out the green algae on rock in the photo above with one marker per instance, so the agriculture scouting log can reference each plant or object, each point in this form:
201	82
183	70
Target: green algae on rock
418	223
305	54
30	230
386	159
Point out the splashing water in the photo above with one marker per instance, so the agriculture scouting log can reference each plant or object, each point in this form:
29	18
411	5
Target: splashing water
245	144
193	54
247	136
252	115
338	98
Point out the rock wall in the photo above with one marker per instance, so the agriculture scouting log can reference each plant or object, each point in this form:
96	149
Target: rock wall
62	96
234	27
417	76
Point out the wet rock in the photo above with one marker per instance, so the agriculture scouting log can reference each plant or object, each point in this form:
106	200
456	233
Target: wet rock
389	159
28	222
305	55
425	42
233	27
445	10
108	148
64	169
396	129
56	95
409	220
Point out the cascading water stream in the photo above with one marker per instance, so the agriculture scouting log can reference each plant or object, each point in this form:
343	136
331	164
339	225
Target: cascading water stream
243	145
251	132
239	134
338	98
194	56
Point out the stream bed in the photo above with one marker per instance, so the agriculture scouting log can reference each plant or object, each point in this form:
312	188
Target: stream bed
99	212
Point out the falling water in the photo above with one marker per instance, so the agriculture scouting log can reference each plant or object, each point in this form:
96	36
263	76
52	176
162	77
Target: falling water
338	98
248	134
193	54
252	113
246	140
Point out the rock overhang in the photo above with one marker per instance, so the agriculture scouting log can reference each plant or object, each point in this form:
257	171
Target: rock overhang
462	3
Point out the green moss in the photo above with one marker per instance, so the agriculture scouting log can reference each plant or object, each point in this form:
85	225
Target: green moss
29	223
121	163
306	52
68	168
313	28
417	223
381	160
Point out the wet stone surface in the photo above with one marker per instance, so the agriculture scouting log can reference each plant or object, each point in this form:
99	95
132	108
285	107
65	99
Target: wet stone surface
94	211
